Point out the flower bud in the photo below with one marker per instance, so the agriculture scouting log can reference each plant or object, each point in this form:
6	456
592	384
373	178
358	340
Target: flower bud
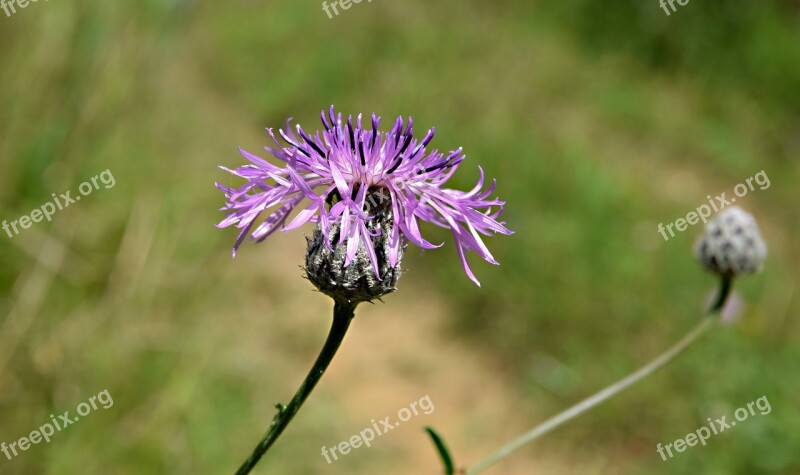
325	267
731	244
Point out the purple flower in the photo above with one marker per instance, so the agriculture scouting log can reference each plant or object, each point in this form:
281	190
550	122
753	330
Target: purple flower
339	168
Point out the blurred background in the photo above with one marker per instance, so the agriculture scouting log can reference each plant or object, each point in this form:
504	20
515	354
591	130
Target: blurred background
599	121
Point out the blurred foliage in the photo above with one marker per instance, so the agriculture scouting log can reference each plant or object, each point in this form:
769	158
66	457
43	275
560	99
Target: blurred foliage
750	46
599	120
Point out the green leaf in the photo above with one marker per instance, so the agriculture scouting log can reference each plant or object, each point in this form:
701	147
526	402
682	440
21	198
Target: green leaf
444	453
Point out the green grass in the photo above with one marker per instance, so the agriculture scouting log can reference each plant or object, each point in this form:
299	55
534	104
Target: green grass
599	121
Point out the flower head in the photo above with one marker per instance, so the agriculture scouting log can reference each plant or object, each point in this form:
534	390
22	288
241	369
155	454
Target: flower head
732	244
355	282
346	172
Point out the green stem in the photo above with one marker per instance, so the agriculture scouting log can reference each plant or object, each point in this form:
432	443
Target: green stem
342	316
725	287
624	383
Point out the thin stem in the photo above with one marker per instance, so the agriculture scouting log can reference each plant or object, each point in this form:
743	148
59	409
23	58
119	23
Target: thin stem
342	315
726	284
624	383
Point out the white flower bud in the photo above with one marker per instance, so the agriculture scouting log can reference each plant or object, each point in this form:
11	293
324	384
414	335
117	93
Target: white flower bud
731	244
